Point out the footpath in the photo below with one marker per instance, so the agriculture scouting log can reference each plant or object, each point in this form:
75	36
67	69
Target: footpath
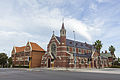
105	70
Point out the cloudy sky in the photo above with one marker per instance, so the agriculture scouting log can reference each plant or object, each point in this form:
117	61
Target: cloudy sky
35	20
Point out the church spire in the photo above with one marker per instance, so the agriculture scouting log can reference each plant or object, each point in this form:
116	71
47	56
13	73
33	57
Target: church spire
63	30
63	34
63	24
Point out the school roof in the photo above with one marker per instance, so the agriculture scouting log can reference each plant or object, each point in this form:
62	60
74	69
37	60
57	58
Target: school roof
35	47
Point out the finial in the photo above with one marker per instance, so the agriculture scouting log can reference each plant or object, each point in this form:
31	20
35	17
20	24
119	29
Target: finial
63	20
53	32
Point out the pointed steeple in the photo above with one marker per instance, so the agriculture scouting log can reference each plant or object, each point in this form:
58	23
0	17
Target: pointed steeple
63	34
63	30
63	24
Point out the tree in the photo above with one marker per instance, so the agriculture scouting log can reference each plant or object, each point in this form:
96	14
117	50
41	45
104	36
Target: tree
3	59
10	61
98	46
112	50
118	59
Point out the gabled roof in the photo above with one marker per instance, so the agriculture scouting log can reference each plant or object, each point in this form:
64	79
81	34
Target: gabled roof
36	47
19	49
77	44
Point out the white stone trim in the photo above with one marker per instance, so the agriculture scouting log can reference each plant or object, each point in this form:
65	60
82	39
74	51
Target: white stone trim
93	52
71	63
68	52
71	56
30	46
59	57
56	39
14	48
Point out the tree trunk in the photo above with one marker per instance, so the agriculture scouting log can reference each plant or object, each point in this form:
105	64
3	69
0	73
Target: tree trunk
99	59
112	59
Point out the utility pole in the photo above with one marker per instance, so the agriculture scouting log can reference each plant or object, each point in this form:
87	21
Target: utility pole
74	52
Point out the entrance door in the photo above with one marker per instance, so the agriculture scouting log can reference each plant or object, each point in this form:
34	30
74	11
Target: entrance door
49	63
95	64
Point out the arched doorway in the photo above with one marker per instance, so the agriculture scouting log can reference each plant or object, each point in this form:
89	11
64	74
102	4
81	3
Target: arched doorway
49	62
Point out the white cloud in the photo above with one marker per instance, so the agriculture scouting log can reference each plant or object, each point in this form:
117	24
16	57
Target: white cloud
103	1
79	27
93	6
17	29
29	19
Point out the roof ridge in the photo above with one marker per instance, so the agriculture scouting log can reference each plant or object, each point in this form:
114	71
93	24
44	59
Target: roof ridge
19	47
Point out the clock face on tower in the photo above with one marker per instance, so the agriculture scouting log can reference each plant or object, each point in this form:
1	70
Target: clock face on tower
53	49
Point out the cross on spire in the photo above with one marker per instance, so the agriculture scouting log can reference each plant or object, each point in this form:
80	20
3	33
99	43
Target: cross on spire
53	32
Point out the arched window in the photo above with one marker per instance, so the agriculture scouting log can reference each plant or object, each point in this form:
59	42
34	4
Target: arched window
53	49
74	50
79	50
82	61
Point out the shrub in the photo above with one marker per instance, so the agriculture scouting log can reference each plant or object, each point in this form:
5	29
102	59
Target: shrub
115	66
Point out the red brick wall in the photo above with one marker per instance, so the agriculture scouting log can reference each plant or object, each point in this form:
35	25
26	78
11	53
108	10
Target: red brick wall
36	59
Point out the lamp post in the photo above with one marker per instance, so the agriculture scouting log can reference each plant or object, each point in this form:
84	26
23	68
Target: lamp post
74	51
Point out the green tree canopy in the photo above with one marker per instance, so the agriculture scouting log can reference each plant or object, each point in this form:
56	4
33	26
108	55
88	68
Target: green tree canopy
10	61
3	59
112	49
98	45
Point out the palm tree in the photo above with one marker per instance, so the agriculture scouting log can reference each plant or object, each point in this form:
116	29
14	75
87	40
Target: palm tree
98	46
112	50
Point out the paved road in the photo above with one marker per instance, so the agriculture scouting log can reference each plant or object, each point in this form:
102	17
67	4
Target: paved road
15	74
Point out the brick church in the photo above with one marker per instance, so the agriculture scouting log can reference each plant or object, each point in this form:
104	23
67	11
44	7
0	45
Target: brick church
63	52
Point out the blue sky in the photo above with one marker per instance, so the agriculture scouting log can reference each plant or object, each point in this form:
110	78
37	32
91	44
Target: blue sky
35	20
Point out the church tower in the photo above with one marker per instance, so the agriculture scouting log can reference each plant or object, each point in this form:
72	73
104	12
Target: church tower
63	35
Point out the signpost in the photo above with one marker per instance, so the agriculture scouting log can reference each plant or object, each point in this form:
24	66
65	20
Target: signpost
29	60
